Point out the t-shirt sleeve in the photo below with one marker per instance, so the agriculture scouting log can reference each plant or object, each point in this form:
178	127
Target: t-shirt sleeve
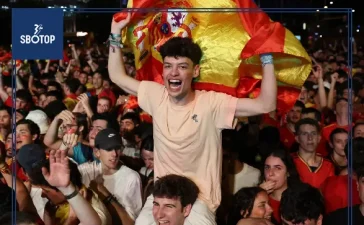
132	199
89	172
223	110
150	95
9	102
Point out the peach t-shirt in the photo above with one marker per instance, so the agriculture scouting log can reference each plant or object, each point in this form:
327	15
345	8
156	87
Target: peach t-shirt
187	139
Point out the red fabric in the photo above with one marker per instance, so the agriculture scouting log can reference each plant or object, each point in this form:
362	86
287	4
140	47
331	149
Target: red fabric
335	191
326	131
275	206
322	148
6	57
269	121
317	178
72	96
287	137
19	171
9	102
286	97
65	57
108	93
265	36
105	93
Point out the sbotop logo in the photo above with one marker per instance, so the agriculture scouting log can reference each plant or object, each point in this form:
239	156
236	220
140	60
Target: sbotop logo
37	38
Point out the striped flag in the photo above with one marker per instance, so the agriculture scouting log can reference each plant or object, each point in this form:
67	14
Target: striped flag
231	43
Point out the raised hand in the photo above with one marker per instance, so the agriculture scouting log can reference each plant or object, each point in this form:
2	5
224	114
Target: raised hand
70	140
59	172
119	22
83	98
268	186
65	115
317	72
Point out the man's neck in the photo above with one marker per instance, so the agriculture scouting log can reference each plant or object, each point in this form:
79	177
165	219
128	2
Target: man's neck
98	90
342	120
309	157
184	100
238	167
290	127
340	160
108	171
344	172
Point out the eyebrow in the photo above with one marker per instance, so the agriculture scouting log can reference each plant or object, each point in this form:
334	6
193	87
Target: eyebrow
182	63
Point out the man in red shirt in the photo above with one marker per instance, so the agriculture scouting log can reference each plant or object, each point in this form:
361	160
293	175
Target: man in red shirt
312	167
316	115
287	131
99	90
342	120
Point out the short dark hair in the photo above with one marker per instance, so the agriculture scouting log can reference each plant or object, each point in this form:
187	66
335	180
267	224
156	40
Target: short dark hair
299	104
176	187
7	109
147	144
314	111
306	121
55	84
181	47
57	94
73	84
356	126
109	118
24	95
336	131
33	128
302	203
131	116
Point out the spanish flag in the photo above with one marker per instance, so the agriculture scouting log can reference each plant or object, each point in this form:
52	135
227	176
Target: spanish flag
231	43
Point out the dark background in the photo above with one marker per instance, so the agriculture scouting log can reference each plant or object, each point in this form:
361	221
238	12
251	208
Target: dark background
331	26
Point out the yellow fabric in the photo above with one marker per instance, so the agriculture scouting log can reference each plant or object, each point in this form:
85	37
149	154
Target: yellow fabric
89	86
221	37
70	103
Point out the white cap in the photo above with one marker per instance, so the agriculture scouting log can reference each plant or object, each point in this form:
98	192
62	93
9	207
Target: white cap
40	118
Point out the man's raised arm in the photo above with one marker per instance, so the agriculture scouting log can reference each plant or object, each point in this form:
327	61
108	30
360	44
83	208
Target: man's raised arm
116	65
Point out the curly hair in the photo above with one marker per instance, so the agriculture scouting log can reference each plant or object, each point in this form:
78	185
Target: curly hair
243	204
181	47
176	187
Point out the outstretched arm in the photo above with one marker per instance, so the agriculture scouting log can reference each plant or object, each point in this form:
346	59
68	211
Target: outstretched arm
116	65
267	99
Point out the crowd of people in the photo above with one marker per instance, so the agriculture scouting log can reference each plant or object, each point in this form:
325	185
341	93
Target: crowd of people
95	146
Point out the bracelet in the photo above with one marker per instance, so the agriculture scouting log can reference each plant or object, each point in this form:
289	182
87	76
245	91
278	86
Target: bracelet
72	195
109	199
114	36
266	59
113	41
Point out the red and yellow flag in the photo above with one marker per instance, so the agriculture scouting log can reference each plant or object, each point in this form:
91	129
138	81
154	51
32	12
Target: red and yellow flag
231	43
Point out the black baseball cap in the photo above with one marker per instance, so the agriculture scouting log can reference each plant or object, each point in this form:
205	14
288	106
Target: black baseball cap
30	155
108	139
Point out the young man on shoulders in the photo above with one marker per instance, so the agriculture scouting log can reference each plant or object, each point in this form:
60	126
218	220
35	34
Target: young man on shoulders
188	123
173	199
